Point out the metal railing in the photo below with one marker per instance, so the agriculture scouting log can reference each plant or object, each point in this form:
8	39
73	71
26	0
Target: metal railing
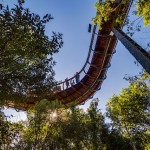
62	85
72	81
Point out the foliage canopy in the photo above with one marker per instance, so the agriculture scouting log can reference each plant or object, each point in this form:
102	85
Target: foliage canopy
51	127
106	8
26	62
130	112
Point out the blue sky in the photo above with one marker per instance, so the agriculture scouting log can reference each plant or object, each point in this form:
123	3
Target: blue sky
71	18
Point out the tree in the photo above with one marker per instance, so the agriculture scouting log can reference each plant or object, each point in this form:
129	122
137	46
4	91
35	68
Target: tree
130	112
71	129
51	127
10	132
105	8
143	10
26	62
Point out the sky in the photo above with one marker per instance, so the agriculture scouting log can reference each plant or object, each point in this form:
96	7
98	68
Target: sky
71	18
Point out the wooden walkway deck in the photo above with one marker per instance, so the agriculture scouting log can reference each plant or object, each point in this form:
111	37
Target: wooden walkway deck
101	56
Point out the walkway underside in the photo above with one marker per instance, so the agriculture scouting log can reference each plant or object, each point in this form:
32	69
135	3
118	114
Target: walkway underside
92	81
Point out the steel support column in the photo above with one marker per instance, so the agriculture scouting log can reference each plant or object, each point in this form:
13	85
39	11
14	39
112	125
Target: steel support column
141	55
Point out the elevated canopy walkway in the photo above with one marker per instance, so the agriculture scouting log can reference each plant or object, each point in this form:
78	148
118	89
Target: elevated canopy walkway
93	73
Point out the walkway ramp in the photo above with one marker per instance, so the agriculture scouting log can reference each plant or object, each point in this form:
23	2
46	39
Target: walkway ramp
101	50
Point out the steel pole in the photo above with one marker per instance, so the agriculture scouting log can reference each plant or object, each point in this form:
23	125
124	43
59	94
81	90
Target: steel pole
141	55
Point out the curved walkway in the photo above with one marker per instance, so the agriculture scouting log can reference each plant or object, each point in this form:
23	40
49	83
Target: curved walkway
93	73
101	52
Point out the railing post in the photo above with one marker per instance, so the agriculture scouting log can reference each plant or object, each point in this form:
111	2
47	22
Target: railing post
141	55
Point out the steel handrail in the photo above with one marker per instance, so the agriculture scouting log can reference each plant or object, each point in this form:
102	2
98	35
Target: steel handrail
105	55
87	60
90	49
